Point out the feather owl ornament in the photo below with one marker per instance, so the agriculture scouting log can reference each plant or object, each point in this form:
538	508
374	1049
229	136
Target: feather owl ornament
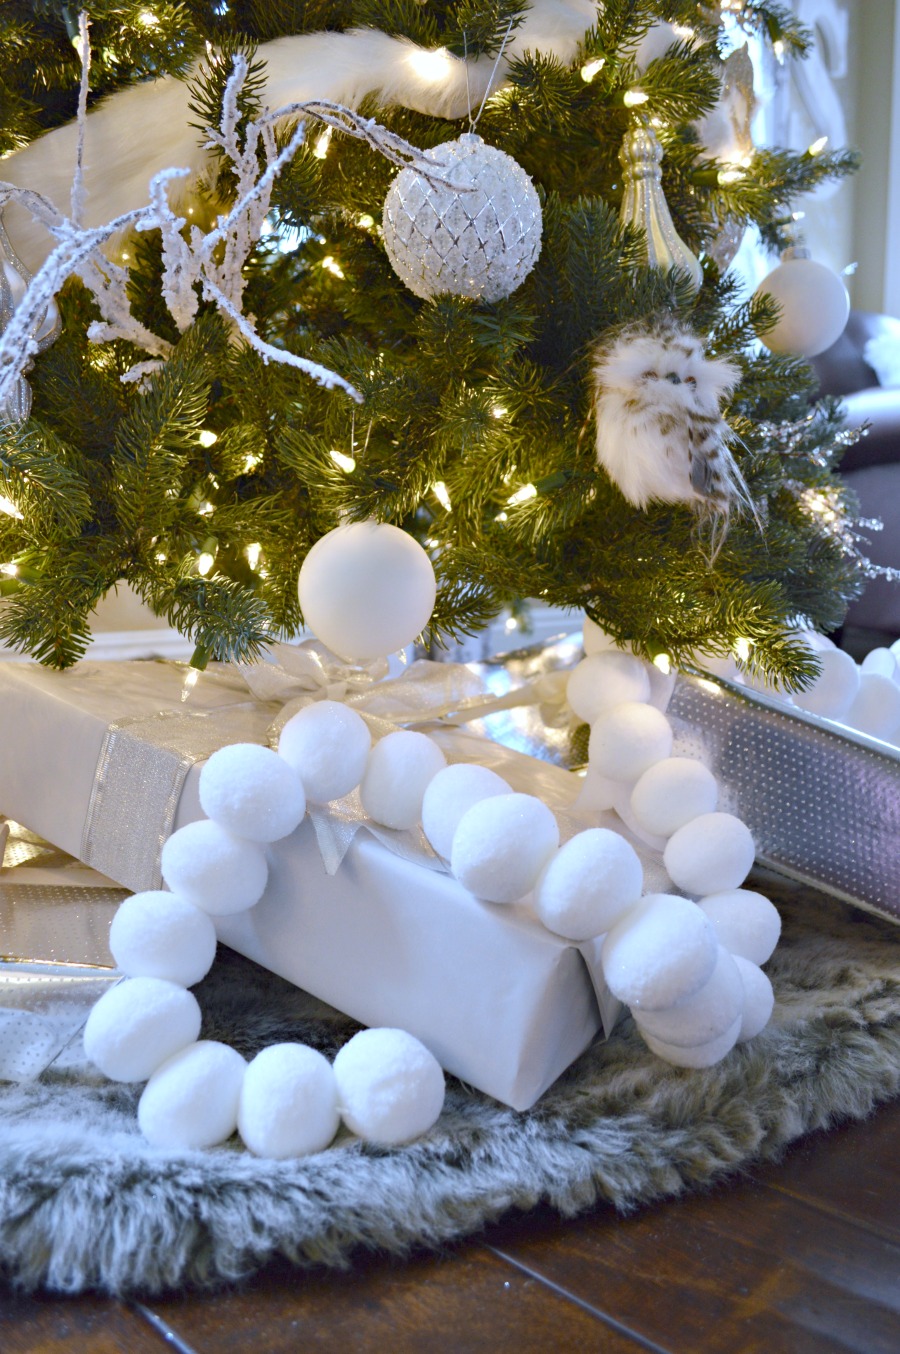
660	431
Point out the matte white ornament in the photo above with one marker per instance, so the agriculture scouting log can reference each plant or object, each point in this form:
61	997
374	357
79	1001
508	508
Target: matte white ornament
881	661
328	744
833	691
876	706
627	740
191	1101
710	854
288	1105
137	1024
759	999
450	794
605	679
400	768
661	951
252	792
588	884
160	935
390	1088
671	793
477	234
366	590
747	923
704	1015
213	869
698	1055
501	845
814	305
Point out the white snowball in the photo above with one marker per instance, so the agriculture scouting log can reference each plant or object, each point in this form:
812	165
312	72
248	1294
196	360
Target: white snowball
876	706
400	769
882	661
366	589
252	792
588	884
328	744
814	640
595	639
746	923
390	1088
450	794
288	1102
191	1101
700	1055
671	793
623	809
137	1024
834	688
161	935
710	854
662	950
605	679
501	845
759	999
214	870
598	793
704	1015
626	740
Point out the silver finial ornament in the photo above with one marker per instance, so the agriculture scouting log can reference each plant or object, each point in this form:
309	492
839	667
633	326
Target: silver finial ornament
644	203
14	279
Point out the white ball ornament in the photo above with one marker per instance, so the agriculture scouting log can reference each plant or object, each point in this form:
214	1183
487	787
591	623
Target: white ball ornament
759	999
400	768
137	1024
705	1015
191	1101
477	234
662	950
366	590
501	845
696	1055
390	1088
876	706
747	923
671	793
710	854
450	794
588	884
814	305
605	679
627	740
288	1105
216	871
159	935
595	639
328	744
882	661
832	693
252	792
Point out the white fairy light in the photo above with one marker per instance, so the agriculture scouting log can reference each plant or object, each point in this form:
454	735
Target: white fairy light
498	411
207	437
147	19
343	461
10	569
206	508
633	98
511	624
205	562
253	552
742	648
439	489
733	174
664	663
817	146
330	264
522	495
320	149
7	506
592	69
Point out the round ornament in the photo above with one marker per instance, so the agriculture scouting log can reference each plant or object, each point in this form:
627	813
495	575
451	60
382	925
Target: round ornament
814	305
390	1087
366	590
477	234
191	1100
288	1105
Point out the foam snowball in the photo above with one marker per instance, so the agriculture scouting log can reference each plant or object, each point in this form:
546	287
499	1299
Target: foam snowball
252	792
159	935
597	793
626	740
746	923
661	951
595	639
450	794
718	665
882	661
328	744
705	1015
501	845
698	1055
399	770
759	999
710	854
137	1024
834	688
605	679
214	870
671	793
876	706
191	1101
588	884
390	1088
288	1105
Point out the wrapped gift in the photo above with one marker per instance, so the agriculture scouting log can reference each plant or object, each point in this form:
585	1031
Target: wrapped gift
103	761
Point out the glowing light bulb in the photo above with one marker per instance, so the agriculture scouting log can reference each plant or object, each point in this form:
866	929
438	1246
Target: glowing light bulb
664	663
9	569
332	266
522	495
733	174
207	437
250	462
742	649
511	624
343	461
206	508
592	68
778	49
439	489
435	67
502	517
147	19
366	222
253	553
320	149
633	98
204	563
499	411
7	506
817	146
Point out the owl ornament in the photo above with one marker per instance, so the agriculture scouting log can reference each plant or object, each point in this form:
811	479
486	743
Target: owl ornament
660	431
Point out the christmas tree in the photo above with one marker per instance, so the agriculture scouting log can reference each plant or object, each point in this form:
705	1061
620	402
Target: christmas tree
483	423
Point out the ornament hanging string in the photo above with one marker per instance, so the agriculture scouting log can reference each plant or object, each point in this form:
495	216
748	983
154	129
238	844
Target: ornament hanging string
473	121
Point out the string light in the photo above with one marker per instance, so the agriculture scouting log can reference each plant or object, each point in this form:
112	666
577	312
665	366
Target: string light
331	266
204	563
207	437
778	49
7	506
250	462
439	489
10	569
365	222
320	149
522	495
343	461
206	508
511	624
499	411
817	146
147	19
592	68
742	649
733	174
253	553
664	663
633	98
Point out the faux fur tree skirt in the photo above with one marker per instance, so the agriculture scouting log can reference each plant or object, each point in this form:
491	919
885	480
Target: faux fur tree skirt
85	1203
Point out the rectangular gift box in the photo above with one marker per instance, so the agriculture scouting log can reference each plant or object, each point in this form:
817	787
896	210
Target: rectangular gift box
503	1004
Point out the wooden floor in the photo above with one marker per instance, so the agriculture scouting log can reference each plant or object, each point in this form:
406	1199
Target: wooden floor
802	1258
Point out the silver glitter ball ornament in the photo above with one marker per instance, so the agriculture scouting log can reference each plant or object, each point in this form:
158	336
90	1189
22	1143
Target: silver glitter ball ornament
475	234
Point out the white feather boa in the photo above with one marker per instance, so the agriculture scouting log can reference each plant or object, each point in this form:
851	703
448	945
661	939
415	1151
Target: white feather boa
138	132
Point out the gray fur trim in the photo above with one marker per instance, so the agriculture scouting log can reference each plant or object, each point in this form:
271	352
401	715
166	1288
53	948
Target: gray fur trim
86	1203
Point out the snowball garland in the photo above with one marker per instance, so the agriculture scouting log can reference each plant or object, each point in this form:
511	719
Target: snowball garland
400	767
252	792
588	884
328	744
710	854
191	1100
159	935
833	690
605	679
627	739
137	1024
697	1055
501	845
288	1104
662	950
452	791
759	999
746	923
390	1088
702	1016
671	793
214	870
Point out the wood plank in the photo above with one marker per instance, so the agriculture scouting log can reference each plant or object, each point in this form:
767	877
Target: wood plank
47	1325
467	1302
